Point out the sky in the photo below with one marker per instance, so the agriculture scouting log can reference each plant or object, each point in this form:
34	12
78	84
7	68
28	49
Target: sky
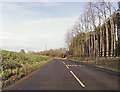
37	26
32	26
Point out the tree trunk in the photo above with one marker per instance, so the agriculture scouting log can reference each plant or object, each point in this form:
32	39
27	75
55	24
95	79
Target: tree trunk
92	52
100	41
103	43
89	45
107	34
114	40
112	29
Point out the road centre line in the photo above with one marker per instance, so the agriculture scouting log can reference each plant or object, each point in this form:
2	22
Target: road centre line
75	75
63	62
78	79
67	66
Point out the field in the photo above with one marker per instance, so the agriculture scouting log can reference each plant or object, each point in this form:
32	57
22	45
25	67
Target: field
15	66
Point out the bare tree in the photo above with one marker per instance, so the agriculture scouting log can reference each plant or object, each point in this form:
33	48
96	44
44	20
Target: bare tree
113	41
106	27
22	51
93	20
94	25
68	40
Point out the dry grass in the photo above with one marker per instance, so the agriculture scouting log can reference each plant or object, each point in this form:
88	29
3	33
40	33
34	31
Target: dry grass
109	63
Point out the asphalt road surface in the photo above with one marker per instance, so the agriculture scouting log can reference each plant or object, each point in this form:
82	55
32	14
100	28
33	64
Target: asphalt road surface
67	75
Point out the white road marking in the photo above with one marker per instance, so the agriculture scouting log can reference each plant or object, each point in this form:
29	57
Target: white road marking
74	65
74	74
67	66
63	62
77	79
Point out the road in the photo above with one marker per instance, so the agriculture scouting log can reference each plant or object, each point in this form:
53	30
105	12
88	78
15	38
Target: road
67	75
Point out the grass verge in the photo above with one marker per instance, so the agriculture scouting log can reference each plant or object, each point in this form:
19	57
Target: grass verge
109	63
15	66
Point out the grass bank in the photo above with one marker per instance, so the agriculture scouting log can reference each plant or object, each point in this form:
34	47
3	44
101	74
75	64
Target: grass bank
109	63
15	66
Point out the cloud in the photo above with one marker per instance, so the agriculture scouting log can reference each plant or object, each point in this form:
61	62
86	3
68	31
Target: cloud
32	25
17	9
52	3
36	33
26	6
11	6
57	0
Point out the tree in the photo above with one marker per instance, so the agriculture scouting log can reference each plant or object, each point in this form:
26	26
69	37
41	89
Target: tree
119	4
106	29
68	40
22	51
93	19
96	23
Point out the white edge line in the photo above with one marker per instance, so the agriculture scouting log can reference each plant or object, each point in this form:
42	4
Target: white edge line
77	79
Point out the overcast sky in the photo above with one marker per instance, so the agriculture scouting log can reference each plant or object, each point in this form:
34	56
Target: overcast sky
31	26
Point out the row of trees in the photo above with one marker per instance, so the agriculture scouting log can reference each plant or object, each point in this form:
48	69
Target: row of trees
52	52
95	32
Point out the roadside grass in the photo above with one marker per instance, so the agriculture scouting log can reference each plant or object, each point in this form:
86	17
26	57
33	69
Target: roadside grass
57	58
15	66
109	63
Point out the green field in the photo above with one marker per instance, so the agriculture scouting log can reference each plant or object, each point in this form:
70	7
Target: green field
15	66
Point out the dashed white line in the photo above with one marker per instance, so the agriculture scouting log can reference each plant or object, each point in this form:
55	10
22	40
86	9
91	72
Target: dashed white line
74	65
78	79
67	66
63	62
74	74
